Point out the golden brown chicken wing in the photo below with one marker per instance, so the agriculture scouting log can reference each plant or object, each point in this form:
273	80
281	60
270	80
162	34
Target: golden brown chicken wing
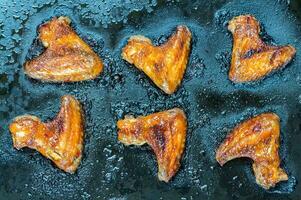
164	131
67	57
60	140
252	59
258	139
165	65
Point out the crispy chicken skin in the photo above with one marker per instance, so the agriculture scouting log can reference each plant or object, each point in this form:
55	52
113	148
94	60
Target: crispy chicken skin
258	139
67	57
165	64
164	131
60	140
252	59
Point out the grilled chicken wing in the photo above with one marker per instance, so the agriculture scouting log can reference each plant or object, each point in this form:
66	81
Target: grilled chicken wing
60	140
165	65
258	139
67	57
164	131
252	59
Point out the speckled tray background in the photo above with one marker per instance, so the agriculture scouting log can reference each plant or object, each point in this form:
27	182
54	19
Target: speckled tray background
212	103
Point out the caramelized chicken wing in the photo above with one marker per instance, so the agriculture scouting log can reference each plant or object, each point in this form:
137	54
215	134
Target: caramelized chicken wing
67	57
165	64
258	139
252	59
164	131
60	140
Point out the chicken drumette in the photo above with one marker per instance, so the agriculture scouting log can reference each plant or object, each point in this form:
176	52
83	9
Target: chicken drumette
165	64
252	59
164	131
67	57
60	140
258	139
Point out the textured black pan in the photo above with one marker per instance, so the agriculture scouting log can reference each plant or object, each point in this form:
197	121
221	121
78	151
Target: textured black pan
212	103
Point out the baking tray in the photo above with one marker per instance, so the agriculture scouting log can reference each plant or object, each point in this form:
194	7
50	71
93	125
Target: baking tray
213	104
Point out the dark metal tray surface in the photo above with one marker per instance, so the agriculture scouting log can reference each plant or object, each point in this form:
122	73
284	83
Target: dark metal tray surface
213	104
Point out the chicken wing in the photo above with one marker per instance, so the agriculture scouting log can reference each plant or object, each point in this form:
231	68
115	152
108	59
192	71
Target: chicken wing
60	140
165	65
252	59
67	57
164	131
258	139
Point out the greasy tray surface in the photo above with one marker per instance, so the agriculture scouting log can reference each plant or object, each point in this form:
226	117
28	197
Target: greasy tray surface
213	104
